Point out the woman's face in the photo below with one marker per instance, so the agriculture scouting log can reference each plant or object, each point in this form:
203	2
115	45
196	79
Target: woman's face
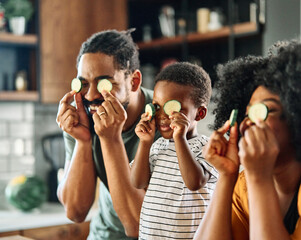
275	120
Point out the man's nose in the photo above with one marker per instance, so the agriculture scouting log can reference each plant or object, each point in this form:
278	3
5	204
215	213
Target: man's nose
93	93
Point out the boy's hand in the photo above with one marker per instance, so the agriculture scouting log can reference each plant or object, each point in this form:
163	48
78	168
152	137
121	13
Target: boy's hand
145	129
180	124
73	120
223	153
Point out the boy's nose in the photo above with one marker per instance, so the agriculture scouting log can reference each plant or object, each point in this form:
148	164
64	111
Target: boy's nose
161	114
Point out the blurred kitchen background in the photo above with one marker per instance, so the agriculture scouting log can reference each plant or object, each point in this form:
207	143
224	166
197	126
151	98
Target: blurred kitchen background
37	61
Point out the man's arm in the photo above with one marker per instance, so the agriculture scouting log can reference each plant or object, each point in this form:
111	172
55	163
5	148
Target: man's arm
77	189
127	200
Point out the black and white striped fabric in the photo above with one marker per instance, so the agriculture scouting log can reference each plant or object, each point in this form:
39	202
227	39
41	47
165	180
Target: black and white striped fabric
170	210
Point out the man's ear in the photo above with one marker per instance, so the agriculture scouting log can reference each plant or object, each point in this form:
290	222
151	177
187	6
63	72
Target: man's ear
201	113
136	80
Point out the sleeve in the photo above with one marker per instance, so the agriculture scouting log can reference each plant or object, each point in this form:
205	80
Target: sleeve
69	146
153	155
206	165
208	168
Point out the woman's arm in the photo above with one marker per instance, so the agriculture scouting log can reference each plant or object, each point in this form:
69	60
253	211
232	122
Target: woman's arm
258	151
222	154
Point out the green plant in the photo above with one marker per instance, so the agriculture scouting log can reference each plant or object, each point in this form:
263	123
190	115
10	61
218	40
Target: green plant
18	8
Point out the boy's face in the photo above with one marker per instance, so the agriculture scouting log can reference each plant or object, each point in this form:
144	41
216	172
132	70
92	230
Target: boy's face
165	91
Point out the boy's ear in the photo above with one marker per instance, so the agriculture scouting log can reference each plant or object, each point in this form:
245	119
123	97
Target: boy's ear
136	80
202	112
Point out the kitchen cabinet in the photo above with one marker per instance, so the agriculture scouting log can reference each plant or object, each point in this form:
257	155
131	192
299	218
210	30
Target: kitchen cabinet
20	53
78	231
50	48
240	33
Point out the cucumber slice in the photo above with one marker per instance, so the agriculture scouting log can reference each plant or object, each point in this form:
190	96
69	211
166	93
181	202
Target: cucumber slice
172	106
150	109
76	85
258	111
233	117
104	84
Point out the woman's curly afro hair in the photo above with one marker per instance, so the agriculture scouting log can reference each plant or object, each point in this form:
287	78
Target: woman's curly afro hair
280	73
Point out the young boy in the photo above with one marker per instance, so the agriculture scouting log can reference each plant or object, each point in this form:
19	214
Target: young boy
179	181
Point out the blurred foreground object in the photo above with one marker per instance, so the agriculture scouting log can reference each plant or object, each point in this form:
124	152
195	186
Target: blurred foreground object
26	193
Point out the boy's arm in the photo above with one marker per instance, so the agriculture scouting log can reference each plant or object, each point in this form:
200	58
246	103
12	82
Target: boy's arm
192	172
140	171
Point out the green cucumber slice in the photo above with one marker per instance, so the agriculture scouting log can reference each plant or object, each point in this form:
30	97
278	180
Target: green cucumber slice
233	117
76	85
150	109
258	111
104	84
172	106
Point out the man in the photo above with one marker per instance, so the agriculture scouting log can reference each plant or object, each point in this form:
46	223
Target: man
100	136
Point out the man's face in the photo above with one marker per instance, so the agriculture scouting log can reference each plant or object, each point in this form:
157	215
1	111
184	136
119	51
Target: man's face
92	68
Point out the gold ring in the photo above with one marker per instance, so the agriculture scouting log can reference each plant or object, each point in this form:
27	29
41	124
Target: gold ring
99	114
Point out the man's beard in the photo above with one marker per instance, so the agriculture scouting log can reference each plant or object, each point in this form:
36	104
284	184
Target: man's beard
87	103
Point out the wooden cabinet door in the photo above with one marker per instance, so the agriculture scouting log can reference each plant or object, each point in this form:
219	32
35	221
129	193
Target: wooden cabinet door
64	25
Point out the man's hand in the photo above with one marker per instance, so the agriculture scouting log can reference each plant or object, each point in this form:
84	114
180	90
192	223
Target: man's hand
109	118
73	120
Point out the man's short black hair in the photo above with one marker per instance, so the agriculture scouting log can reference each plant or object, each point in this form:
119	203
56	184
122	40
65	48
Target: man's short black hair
188	74
118	44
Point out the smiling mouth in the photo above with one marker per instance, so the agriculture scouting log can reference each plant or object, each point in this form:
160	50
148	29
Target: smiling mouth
164	127
92	108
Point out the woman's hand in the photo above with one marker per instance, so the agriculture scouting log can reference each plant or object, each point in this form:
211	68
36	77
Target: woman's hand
258	150
223	153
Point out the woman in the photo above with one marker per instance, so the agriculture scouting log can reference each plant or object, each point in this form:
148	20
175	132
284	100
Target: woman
261	202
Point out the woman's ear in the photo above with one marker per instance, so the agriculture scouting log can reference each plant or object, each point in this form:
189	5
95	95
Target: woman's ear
201	113
136	80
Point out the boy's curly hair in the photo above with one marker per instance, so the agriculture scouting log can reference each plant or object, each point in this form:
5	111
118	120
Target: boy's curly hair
118	44
280	73
188	74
